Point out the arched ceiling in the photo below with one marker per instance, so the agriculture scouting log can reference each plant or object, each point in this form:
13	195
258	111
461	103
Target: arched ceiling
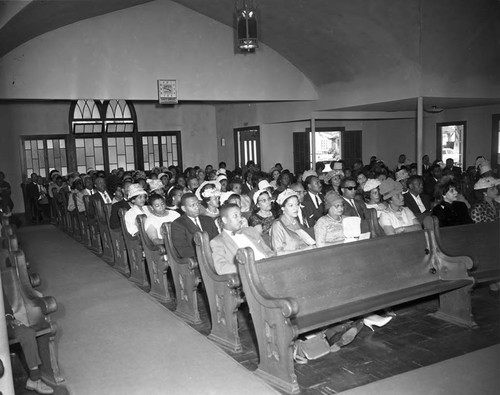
330	41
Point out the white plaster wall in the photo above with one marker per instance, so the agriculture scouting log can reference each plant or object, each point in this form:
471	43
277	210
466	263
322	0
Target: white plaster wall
124	53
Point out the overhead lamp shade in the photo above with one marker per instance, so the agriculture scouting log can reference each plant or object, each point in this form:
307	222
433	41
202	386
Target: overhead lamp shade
246	28
434	110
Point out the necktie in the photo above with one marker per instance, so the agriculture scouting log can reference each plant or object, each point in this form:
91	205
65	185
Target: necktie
238	232
198	224
353	205
106	198
317	201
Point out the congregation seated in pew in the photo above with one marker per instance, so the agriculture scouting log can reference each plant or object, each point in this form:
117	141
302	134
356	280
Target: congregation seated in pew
159	215
137	198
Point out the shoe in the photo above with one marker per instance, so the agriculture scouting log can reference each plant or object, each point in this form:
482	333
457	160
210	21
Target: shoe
376	320
345	339
39	386
390	312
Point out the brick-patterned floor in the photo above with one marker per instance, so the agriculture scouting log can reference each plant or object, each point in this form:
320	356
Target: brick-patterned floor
411	340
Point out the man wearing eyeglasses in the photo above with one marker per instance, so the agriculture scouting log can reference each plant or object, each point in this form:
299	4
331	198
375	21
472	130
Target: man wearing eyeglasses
354	207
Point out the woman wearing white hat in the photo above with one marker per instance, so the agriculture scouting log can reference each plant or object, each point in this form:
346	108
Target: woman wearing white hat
287	234
209	196
137	197
263	218
372	195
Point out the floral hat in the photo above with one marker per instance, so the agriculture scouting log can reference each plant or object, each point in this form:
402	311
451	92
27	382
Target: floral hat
208	192
287	193
486	182
135	190
370	184
389	188
155	184
402	175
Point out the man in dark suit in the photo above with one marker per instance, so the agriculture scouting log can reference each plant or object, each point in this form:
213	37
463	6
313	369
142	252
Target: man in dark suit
354	207
426	165
226	245
415	200
184	227
314	207
451	168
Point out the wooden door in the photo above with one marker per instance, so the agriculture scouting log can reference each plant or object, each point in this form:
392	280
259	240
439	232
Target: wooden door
247	145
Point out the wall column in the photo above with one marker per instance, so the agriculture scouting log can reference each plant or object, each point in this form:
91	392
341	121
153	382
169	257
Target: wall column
420	133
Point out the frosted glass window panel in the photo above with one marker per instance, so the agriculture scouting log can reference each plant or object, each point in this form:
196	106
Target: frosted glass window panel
120	143
39	144
99	157
27	145
50	145
113	159
81	169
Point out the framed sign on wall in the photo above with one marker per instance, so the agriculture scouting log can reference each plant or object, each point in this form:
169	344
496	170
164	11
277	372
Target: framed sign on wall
167	91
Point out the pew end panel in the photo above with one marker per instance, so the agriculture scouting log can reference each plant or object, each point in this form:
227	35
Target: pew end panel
135	255
186	279
300	292
108	254
224	297
69	229
93	227
119	247
157	264
33	311
480	241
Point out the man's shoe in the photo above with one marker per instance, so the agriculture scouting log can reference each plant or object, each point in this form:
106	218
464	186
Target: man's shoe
346	338
39	386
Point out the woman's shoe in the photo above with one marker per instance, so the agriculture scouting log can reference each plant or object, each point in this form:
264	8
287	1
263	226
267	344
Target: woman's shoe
376	320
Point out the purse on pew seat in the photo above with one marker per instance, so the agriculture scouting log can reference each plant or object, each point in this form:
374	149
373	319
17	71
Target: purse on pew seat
311	348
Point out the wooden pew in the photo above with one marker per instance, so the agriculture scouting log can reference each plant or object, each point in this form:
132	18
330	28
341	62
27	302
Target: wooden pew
224	297
479	241
135	255
297	293
186	279
156	259
33	310
375	228
108	254
119	247
95	237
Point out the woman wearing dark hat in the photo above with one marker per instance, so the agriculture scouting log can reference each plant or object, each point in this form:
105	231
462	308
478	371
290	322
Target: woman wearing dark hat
395	218
328	229
287	234
486	209
450	211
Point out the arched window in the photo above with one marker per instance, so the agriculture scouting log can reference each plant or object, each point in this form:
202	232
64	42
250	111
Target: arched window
104	134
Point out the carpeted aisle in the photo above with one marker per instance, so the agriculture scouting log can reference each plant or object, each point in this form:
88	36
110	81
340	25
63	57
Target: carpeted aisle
115	339
474	373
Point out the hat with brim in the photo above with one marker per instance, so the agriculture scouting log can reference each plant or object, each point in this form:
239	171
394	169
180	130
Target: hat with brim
155	185
370	184
203	184
332	198
389	188
135	190
402	175
257	194
225	195
264	184
283	196
309	173
486	182
218	181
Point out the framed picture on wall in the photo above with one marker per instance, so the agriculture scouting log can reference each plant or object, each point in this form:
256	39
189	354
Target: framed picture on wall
167	91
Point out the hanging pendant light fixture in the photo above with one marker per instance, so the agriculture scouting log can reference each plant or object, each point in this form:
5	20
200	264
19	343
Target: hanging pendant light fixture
246	25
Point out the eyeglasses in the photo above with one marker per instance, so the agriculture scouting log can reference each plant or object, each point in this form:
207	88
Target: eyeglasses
350	188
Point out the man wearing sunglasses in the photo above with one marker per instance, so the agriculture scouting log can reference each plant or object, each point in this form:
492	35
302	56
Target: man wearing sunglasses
354	207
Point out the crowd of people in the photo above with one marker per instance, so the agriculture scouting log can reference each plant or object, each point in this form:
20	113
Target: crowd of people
278	212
